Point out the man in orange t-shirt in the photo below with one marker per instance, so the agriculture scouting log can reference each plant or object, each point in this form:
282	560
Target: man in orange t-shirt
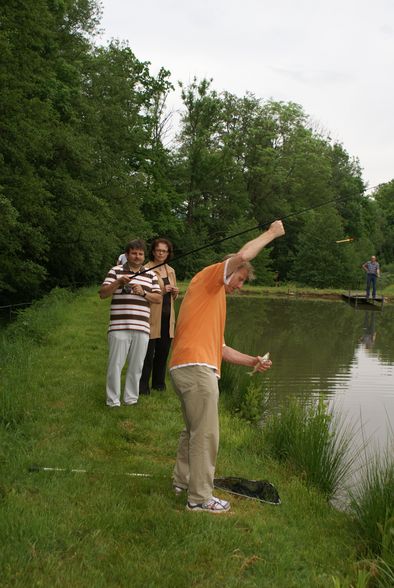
198	350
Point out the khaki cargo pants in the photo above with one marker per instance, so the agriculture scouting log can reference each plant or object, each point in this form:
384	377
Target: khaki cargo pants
198	391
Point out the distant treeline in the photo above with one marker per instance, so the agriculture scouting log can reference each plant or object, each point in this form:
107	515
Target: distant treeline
86	164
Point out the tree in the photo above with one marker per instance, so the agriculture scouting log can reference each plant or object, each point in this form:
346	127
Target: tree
320	261
26	117
384	219
41	47
208	177
80	144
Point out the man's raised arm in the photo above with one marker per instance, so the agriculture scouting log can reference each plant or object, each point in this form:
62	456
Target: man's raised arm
253	248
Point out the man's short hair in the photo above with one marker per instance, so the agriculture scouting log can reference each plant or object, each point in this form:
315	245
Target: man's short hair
136	244
244	265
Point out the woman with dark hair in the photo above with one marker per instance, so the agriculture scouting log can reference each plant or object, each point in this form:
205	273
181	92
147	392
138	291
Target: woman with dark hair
162	317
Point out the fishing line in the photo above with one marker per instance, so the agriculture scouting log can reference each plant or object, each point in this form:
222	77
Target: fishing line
259	226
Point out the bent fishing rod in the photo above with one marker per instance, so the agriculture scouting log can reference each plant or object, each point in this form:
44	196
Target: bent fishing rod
260	226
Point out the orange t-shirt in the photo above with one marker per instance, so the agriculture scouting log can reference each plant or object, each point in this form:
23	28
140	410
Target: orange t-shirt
199	334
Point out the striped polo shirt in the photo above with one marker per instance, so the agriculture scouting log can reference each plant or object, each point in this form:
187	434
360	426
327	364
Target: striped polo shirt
130	311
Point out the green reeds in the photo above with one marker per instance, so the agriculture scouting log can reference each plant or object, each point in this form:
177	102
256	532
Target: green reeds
314	441
244	396
372	504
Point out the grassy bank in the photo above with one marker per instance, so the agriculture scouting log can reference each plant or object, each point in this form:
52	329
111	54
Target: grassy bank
104	528
295	290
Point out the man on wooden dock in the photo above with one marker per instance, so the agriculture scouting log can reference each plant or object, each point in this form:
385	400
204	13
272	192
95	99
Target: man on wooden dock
372	269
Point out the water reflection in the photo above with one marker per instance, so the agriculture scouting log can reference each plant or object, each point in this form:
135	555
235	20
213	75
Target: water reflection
322	347
369	335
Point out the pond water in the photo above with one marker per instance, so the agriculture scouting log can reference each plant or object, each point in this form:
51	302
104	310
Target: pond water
323	347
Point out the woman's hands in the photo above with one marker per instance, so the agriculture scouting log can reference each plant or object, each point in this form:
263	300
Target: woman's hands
168	288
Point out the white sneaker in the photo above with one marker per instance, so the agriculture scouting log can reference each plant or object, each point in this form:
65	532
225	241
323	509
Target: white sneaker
213	506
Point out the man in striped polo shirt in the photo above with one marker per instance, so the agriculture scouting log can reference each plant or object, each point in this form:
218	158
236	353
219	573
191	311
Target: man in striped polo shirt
133	290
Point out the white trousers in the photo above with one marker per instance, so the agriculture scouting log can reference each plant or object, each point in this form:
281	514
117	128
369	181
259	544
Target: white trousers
125	346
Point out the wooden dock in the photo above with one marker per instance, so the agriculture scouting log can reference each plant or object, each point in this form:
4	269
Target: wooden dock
362	302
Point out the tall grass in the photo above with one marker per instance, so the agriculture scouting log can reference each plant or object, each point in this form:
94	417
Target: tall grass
372	506
372	503
243	396
314	441
17	344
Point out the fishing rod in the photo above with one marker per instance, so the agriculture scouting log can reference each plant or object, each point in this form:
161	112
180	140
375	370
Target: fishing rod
259	226
36	468
260	490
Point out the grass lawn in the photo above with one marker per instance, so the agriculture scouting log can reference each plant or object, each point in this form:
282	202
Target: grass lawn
106	529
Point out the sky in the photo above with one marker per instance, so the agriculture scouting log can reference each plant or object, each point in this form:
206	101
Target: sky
334	58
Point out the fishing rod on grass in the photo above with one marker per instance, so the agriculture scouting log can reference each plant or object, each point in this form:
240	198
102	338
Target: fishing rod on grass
260	490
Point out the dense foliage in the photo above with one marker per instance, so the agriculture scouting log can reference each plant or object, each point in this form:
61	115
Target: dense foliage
85	164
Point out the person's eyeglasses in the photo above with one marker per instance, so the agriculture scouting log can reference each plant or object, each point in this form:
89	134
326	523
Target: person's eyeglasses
161	250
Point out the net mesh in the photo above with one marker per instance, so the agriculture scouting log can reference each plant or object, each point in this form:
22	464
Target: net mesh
257	489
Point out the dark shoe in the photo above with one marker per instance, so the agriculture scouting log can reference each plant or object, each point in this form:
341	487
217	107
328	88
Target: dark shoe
145	392
159	388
